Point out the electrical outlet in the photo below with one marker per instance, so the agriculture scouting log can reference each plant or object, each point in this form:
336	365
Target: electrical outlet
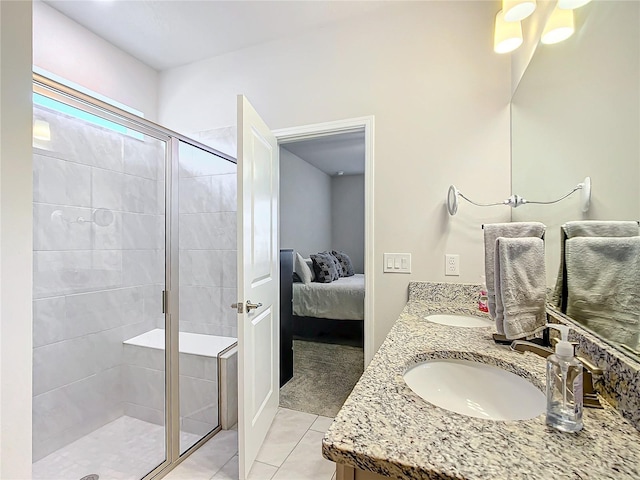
451	264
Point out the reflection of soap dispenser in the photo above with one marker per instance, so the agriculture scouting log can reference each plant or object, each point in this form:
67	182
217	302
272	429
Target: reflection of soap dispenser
483	296
564	385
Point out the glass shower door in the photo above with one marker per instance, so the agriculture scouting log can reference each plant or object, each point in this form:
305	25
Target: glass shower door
99	389
207	285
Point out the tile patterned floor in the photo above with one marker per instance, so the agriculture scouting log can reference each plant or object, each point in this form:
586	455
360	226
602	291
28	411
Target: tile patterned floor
125	449
291	451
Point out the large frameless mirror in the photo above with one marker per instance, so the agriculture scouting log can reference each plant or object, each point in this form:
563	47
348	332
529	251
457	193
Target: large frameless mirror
576	113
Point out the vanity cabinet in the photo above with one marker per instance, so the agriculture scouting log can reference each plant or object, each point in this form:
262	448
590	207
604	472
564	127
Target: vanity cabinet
388	431
345	472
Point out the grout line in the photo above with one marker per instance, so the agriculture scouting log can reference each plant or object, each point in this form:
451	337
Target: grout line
296	445
222	467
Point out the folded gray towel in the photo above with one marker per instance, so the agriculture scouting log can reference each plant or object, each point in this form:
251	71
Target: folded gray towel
598	228
603	279
586	228
508	230
521	286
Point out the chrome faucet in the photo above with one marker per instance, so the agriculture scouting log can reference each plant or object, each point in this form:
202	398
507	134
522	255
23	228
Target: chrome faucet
590	397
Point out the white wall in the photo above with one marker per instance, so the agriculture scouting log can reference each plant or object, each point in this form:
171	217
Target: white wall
532	27
347	217
440	97
65	48
15	239
305	206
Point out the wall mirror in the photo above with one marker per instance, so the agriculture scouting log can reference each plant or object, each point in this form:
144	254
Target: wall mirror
576	113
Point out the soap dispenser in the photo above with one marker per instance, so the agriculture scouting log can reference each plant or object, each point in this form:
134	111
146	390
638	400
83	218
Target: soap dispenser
564	385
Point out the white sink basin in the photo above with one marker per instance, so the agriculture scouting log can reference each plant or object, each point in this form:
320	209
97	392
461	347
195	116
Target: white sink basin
476	389
460	320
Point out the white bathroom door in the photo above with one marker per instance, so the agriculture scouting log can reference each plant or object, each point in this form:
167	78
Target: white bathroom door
258	283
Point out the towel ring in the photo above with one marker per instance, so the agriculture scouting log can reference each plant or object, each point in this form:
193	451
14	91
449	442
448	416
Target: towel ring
515	201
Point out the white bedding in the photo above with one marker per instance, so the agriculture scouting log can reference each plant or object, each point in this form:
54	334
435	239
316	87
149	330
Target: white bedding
342	299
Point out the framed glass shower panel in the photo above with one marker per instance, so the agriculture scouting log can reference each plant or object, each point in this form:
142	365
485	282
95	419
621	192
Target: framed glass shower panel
99	379
207	285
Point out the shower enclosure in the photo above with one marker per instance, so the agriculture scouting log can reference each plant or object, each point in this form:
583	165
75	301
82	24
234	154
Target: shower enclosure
134	259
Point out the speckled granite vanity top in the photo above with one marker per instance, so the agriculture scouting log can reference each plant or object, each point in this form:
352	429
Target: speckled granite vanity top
384	427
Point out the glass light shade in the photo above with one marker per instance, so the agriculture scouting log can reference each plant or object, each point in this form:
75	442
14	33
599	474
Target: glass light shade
571	4
517	10
559	27
507	36
41	130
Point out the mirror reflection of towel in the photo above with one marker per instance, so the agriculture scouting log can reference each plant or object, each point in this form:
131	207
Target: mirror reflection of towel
603	280
521	286
586	228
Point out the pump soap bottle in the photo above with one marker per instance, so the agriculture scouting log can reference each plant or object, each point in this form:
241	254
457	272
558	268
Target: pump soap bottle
564	386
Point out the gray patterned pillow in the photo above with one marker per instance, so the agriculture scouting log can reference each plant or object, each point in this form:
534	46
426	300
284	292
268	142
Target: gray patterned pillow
324	267
345	262
337	263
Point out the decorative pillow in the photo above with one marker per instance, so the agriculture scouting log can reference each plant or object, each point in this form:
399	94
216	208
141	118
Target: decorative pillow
324	267
309	263
345	262
296	278
337	264
302	269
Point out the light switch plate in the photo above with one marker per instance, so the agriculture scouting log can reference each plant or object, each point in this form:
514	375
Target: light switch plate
397	263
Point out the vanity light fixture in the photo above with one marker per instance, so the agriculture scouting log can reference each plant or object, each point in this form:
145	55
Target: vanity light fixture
517	10
507	36
571	4
516	200
559	27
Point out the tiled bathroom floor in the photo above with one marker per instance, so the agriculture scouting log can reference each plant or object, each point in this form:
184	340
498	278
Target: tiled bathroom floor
128	448
125	449
291	451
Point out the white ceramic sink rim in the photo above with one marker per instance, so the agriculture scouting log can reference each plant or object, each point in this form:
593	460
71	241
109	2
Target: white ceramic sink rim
452	320
475	389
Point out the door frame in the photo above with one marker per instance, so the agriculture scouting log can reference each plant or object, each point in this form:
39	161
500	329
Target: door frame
316	130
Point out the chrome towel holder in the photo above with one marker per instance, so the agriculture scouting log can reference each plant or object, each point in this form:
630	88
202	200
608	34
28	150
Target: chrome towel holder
515	201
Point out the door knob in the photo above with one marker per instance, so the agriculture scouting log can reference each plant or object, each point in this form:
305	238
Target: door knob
252	306
237	306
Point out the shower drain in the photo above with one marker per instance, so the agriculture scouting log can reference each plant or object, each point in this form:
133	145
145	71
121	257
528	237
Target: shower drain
91	476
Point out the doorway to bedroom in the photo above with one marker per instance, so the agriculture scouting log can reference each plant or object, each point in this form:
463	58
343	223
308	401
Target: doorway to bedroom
322	239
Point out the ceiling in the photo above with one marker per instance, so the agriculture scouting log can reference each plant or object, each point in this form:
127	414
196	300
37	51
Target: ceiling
333	153
168	33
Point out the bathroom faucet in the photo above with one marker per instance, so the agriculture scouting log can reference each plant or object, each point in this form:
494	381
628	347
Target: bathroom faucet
522	346
590	398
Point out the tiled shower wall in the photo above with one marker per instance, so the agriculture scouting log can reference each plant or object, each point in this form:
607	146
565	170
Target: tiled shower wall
207	243
94	285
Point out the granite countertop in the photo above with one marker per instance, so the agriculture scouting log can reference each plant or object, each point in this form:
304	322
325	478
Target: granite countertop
384	427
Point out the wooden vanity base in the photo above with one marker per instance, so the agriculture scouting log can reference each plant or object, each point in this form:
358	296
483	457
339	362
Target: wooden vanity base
346	472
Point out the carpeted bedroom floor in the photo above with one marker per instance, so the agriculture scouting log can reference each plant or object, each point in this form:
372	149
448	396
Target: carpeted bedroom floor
323	376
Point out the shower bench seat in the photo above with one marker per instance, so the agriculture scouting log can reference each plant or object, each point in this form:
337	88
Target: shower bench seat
206	379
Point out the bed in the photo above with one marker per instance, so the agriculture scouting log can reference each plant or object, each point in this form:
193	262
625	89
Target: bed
330	312
342	299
